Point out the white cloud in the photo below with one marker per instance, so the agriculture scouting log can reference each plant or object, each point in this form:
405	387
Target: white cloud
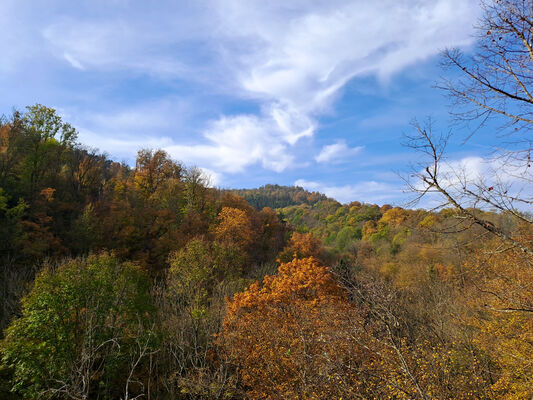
507	181
368	191
293	58
122	131
474	170
234	143
229	144
214	179
337	152
112	44
73	61
305	53
147	117
297	58
470	171
123	146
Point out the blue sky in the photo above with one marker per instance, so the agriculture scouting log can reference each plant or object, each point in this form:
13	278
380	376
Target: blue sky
316	93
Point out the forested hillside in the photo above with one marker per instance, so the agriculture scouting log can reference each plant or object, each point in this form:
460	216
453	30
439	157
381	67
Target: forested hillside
147	282
155	228
275	196
142	282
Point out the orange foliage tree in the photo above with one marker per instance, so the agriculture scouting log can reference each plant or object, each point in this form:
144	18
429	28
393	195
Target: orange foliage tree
153	168
301	245
292	337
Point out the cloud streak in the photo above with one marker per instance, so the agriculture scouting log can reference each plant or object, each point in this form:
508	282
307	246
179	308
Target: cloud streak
337	152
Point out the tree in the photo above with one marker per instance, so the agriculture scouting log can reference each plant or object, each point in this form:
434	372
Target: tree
81	325
196	183
273	236
300	334
503	304
11	148
234	228
288	336
48	135
301	245
153	168
86	172
191	308
496	82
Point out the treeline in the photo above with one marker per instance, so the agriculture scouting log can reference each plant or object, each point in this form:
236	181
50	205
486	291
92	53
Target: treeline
276	196
342	226
58	198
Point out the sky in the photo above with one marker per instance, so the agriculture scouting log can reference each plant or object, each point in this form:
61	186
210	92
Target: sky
306	92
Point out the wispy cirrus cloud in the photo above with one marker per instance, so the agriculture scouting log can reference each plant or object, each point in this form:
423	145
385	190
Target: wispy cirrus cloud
291	60
305	53
337	152
114	44
300	57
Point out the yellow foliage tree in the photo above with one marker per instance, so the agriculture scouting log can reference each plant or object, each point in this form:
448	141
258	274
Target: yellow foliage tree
394	216
234	227
503	298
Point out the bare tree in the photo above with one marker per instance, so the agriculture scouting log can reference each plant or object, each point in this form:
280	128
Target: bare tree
457	190
144	349
496	82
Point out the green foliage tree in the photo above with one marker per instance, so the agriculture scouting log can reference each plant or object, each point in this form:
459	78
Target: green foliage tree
276	196
81	326
47	136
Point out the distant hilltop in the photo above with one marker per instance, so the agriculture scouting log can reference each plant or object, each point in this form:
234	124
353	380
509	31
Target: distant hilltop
276	196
